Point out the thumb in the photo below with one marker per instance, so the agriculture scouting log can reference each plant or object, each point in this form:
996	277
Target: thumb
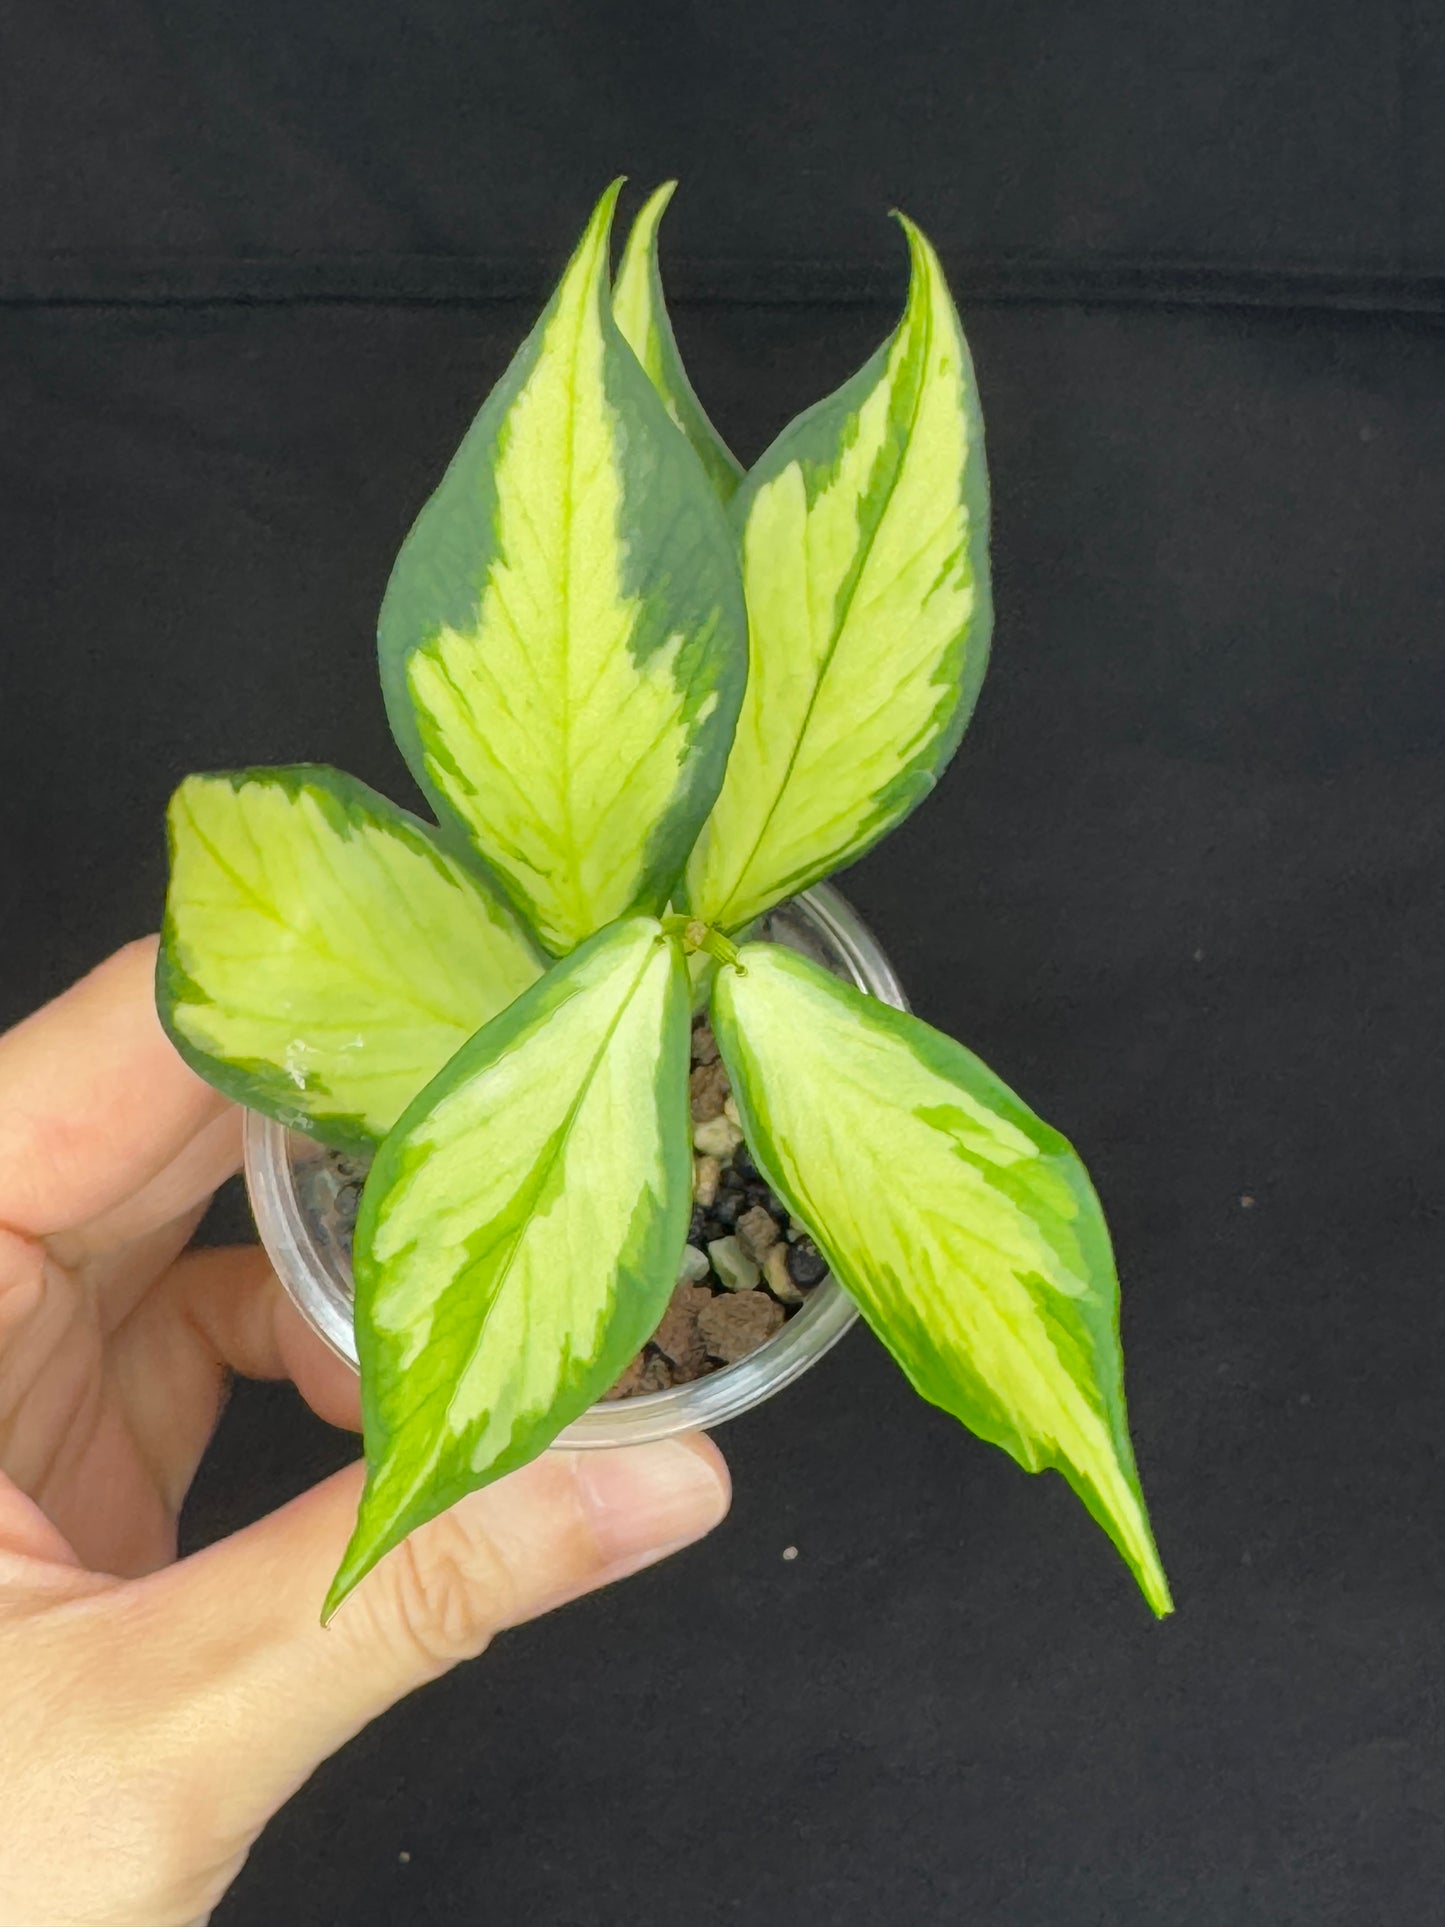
275	1692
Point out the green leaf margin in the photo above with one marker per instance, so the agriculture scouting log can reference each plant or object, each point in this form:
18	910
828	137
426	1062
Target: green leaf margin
647	1267
812	439
465	501
248	1081
639	282
940	1054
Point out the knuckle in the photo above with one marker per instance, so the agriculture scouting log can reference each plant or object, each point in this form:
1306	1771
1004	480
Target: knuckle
450	1589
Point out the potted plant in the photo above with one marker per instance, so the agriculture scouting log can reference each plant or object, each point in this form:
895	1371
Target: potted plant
651	699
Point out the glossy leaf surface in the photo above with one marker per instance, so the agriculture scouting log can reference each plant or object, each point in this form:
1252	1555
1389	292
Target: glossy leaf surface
563	643
966	1230
640	309
322	955
521	1230
865	562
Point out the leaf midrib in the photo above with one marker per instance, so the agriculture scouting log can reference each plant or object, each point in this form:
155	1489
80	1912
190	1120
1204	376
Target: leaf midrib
842	610
539	1175
306	934
569	841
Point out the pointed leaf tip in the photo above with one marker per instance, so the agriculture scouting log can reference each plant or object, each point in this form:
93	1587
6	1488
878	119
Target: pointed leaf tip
865	566
520	1232
563	640
967	1230
640	309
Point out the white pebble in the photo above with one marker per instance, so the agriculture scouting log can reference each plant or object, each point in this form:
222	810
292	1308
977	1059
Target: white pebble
694	1265
737	1272
717	1137
705	1175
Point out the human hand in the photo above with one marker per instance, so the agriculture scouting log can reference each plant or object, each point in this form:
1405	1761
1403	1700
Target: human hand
155	1713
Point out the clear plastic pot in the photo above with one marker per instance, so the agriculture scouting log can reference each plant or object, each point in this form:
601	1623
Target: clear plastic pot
286	1176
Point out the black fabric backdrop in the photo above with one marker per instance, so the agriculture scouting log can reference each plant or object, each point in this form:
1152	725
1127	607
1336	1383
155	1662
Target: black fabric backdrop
1182	886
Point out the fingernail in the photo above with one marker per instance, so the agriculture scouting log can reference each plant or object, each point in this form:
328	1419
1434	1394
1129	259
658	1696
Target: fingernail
644	1501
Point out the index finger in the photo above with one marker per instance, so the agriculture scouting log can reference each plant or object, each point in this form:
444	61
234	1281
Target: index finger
94	1101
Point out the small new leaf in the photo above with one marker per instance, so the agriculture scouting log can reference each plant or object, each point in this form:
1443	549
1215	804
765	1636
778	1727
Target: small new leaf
641	313
521	1231
322	955
865	563
966	1230
563	642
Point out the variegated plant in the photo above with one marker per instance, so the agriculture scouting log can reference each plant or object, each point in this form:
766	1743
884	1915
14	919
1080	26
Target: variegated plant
648	696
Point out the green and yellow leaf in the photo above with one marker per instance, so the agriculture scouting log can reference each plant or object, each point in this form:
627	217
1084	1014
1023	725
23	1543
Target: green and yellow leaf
865	564
966	1230
322	955
520	1231
640	310
563	642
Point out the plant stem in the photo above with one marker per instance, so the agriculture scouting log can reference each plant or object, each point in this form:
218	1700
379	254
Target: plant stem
697	935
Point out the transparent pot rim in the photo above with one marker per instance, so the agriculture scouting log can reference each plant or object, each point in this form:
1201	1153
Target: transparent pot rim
322	1291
